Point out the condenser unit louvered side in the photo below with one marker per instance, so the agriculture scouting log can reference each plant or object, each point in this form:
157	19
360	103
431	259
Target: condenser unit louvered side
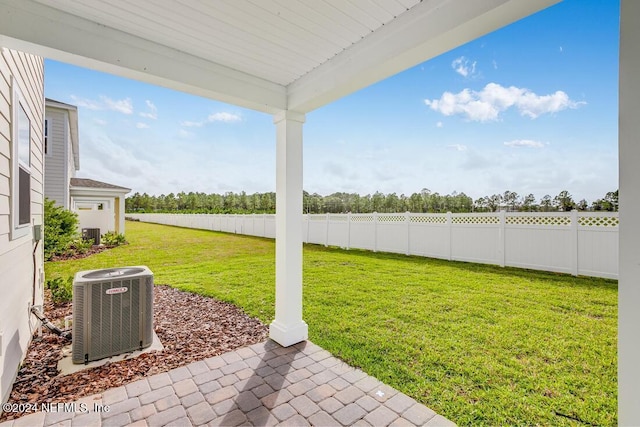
112	315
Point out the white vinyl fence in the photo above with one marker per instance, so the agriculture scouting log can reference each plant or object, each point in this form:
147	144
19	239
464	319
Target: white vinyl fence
578	243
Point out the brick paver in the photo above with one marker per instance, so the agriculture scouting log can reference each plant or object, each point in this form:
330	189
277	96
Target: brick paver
143	412
283	412
192	399
159	380
201	413
262	384
381	416
349	414
418	414
304	406
137	388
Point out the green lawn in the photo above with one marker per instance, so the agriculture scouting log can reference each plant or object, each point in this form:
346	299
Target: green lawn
478	344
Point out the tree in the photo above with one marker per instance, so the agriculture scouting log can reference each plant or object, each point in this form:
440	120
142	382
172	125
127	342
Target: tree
528	203
493	202
545	203
510	199
564	201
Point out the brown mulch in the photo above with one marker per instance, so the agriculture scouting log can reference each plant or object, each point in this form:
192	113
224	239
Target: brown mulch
95	249
191	327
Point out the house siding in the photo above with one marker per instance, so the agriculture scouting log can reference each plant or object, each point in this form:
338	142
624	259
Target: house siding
16	255
56	184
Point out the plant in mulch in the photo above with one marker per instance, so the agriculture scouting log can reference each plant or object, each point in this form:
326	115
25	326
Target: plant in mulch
80	246
61	290
191	327
112	239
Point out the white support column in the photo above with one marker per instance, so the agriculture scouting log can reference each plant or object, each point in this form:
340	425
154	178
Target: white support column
288	328
629	231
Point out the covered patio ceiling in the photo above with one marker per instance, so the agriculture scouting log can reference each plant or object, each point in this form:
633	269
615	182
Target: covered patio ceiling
267	55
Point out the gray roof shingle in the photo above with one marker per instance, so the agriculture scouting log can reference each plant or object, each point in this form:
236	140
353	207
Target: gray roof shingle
90	183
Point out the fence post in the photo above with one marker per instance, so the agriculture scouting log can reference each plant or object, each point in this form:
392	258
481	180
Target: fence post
407	220
349	231
326	237
449	226
574	242
375	232
308	225
501	237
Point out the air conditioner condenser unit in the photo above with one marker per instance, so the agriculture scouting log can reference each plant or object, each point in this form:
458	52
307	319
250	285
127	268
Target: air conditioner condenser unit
112	312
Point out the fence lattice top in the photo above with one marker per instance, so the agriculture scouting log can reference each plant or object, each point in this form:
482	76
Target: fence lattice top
538	220
475	220
599	221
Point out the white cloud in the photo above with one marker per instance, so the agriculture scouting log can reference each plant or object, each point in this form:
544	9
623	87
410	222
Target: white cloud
487	104
224	117
215	117
524	143
495	64
153	111
458	147
100	122
464	67
141	125
86	103
124	106
191	124
439	124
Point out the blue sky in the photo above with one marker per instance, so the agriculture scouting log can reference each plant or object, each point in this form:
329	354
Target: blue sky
530	108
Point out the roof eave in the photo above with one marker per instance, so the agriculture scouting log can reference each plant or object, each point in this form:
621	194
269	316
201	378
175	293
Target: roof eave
102	191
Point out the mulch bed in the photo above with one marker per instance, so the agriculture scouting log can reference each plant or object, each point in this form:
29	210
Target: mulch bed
191	328
95	249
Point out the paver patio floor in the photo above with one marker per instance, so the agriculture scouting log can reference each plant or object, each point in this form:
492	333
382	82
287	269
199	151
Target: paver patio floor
263	384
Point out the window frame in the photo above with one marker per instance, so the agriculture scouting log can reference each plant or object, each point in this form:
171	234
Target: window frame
46	143
18	102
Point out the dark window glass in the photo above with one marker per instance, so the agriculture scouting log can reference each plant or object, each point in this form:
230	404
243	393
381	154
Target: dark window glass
46	137
24	205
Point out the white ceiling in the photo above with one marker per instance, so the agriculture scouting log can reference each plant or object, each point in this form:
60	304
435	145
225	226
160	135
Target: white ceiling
268	55
276	41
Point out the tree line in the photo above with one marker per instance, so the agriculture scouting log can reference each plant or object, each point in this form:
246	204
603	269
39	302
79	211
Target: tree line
424	201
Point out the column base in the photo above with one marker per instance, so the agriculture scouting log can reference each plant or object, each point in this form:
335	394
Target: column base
287	335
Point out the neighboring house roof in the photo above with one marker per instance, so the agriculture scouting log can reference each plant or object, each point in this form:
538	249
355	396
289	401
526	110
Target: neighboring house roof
73	126
90	183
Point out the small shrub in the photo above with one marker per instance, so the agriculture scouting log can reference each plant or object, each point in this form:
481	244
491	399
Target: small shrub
60	229
61	290
111	238
80	246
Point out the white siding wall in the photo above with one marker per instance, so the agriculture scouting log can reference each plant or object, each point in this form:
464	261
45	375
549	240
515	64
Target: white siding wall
16	256
56	184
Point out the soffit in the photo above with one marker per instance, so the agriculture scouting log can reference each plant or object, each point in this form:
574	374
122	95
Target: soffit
278	41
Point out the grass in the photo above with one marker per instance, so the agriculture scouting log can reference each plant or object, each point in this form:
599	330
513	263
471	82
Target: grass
478	344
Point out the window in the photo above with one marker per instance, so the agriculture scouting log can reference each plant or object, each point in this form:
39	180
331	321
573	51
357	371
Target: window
21	171
47	149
